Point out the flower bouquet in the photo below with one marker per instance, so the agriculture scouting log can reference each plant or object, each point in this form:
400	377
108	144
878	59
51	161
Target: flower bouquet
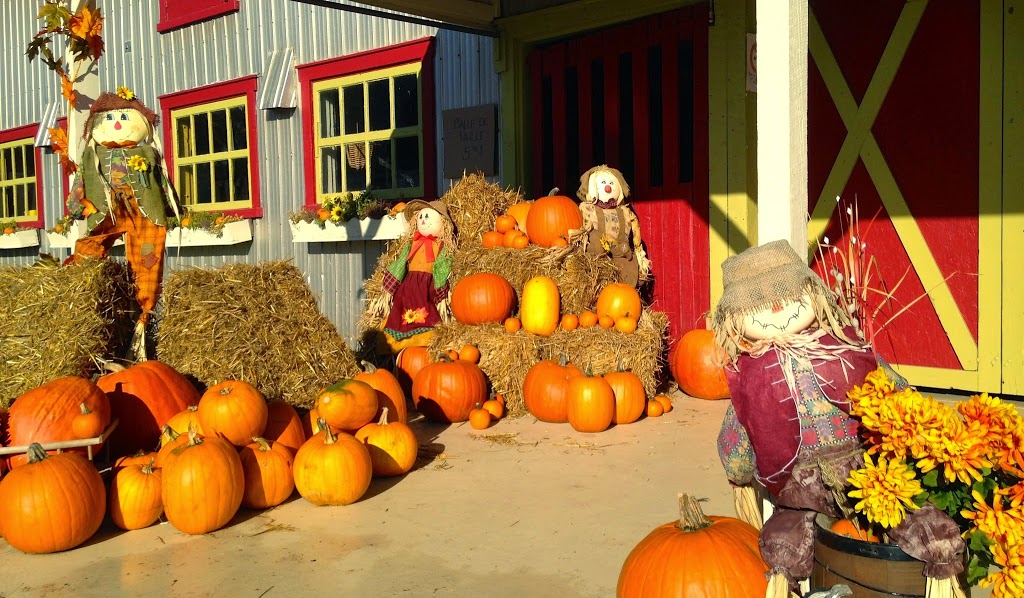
965	460
342	207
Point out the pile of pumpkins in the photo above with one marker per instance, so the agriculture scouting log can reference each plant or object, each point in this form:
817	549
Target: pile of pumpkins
224	449
545	222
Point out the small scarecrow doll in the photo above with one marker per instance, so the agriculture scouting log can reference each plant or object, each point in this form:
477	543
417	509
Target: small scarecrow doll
792	357
122	188
415	297
609	225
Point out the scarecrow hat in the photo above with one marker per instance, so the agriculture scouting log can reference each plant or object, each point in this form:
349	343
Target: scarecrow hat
418	204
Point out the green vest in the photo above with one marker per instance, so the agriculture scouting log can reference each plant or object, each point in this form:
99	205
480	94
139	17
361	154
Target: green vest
147	186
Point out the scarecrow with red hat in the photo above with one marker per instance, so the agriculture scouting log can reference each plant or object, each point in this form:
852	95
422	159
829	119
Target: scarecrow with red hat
122	189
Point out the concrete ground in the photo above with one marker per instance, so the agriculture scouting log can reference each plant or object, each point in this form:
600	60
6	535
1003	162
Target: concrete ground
521	509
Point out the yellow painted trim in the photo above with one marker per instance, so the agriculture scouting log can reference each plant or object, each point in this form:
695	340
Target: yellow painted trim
15	182
939	378
990	166
211	157
1013	199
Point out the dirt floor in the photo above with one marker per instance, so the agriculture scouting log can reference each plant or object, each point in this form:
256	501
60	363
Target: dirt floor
521	509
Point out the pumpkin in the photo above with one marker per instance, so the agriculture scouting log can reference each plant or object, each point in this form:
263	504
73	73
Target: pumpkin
540	306
605	322
409	363
505	223
134	500
626	324
233	410
512	325
392	445
390	394
52	502
630	400
174	441
552	217
284	426
482	298
665	402
87	424
469	353
588	319
698	365
494	406
492	239
654	409
695	556
480	418
143	397
546	387
617	300
332	469
202	484
570	322
347	404
140	458
447	391
521	241
590	404
267	471
47	413
520	211
509	237
845	527
181	422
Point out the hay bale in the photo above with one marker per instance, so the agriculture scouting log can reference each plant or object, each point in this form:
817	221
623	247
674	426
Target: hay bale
473	204
60	320
257	323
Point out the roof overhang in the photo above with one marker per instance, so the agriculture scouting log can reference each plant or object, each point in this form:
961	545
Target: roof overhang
471	16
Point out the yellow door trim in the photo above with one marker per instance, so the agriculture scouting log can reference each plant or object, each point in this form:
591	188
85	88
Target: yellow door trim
1013	199
860	143
938	378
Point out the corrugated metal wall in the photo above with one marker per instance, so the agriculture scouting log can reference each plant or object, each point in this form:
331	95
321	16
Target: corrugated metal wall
226	48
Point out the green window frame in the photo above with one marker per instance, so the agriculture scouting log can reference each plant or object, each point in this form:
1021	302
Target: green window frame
368	133
18	181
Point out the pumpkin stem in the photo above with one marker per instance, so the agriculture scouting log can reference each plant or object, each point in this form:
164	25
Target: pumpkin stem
262	443
36	453
172	433
368	367
563	359
194	439
85	409
329	436
554	191
383	421
148	467
691	517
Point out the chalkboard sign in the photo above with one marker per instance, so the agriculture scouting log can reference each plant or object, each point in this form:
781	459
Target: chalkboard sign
470	136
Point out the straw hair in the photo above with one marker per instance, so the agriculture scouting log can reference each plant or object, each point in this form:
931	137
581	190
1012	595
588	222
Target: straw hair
588	183
765	276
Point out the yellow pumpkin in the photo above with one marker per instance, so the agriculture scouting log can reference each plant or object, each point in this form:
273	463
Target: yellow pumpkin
539	308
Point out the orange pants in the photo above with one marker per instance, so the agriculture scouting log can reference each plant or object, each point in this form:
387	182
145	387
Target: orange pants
144	248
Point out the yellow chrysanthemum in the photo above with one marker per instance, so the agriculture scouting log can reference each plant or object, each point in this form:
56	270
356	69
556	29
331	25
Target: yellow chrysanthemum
1001	524
1008	581
125	93
886	490
1003	429
138	163
960	450
867	398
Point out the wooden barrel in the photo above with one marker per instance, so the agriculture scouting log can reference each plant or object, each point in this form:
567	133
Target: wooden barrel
870	570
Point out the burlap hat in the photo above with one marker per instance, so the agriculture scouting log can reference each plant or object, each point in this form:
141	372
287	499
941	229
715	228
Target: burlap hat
764	275
418	204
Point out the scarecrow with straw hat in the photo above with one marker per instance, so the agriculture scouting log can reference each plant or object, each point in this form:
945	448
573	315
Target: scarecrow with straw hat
415	294
122	189
792	356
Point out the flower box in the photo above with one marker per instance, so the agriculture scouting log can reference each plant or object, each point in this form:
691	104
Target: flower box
232	233
75	232
19	239
363	229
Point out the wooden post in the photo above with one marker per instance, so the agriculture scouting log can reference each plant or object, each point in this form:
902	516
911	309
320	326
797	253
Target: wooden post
87	87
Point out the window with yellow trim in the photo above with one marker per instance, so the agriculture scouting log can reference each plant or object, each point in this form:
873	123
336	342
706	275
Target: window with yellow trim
211	155
18	198
368	133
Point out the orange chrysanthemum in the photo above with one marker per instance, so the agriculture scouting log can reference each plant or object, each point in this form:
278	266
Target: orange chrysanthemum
1008	582
1005	525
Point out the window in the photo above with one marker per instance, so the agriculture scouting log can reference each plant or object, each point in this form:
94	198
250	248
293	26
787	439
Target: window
368	124
20	182
175	14
212	154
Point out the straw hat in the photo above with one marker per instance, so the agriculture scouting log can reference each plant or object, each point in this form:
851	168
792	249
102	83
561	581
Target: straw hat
418	204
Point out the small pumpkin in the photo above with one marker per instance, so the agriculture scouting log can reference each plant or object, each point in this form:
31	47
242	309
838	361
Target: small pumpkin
666	403
409	362
267	471
513	325
482	298
347	404
695	556
469	353
698	365
492	239
617	300
284	425
181	422
480	418
654	409
520	242
202	484
552	217
626	324
87	424
590	403
546	388
540	306
605	322
505	223
332	469
392	445
495	407
52	502
588	319
389	392
850	529
447	391
234	410
630	399
134	500
570	322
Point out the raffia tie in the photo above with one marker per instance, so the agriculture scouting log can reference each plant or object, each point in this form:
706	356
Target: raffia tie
804	346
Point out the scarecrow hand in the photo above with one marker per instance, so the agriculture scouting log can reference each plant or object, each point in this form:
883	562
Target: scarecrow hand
381	306
444	310
643	262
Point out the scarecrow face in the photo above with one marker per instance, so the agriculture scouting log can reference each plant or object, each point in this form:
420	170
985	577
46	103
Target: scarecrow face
605	187
429	222
786	318
115	127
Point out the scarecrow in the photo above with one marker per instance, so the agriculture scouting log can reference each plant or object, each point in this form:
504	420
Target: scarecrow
792	357
415	297
122	188
609	225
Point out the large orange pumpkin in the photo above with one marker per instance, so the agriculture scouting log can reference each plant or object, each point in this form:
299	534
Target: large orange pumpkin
234	410
539	310
135	498
618	300
51	503
267	468
332	469
482	298
409	362
202	484
347	404
390	395
591	404
552	217
630	398
143	397
392	446
284	425
448	390
700	556
697	364
546	387
47	413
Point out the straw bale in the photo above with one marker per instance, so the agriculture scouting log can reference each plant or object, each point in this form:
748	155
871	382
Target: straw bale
257	323
61	320
473	204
